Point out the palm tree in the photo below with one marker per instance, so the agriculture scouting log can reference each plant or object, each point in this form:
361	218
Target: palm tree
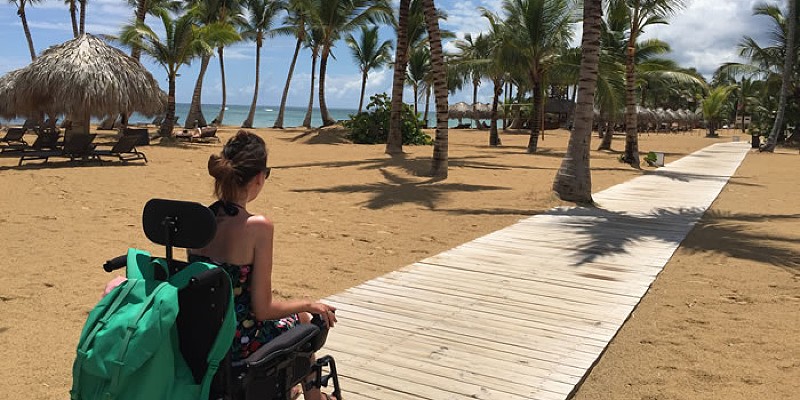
218	31
313	41
72	16
543	30
418	71
230	15
394	139
714	107
295	24
440	141
262	17
335	18
152	7
82	23
369	53
471	54
786	78
21	13
179	46
642	14
411	29
574	180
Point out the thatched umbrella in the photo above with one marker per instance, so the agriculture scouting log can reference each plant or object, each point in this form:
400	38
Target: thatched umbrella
458	110
85	77
6	93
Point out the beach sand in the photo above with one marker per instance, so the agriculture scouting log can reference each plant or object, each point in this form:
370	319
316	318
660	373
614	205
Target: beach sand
347	213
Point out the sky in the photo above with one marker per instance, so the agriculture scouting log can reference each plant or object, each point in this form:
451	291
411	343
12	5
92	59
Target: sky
703	35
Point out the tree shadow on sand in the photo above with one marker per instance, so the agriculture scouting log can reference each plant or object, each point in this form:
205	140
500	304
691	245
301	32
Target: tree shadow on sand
417	166
610	233
398	190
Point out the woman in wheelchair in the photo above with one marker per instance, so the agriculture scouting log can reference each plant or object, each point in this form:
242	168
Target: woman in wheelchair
243	246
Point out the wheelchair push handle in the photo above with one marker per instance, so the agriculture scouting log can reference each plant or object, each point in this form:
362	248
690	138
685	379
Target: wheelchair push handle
115	263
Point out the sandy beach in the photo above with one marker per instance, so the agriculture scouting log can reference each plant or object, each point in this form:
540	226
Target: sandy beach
720	321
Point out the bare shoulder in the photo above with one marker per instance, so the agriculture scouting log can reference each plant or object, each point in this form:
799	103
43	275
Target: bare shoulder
260	225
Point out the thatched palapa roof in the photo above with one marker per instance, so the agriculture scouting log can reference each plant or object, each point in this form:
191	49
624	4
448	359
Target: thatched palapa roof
7	94
81	77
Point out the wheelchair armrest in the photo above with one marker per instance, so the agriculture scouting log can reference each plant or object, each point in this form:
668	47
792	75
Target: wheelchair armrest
286	343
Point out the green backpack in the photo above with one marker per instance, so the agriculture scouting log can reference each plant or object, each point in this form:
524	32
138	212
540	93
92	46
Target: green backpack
129	347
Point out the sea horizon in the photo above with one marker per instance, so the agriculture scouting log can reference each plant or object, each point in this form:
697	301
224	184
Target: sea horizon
235	114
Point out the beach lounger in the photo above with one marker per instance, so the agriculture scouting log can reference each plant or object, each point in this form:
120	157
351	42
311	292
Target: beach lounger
124	149
206	134
76	146
44	141
14	136
141	134
31	124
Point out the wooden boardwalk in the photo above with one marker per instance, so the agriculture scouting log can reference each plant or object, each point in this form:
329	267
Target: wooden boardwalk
524	312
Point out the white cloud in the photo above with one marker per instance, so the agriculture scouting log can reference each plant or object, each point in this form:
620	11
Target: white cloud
706	33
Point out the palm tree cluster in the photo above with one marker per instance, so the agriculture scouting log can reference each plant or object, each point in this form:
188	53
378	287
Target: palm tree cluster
764	94
197	29
525	55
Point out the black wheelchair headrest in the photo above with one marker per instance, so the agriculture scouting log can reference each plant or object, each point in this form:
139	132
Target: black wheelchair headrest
176	223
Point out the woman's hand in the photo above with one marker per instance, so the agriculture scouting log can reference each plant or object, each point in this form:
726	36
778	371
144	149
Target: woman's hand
113	284
328	313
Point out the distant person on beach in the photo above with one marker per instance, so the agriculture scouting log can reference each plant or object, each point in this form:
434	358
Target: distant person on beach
242	247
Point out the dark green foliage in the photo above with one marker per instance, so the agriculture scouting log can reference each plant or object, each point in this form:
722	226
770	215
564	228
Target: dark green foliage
372	126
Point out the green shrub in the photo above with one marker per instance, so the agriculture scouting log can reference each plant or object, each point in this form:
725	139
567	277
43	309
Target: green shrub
372	126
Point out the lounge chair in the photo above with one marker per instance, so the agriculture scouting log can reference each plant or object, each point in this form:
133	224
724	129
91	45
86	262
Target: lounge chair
124	149
14	136
141	134
44	141
31	124
76	146
206	134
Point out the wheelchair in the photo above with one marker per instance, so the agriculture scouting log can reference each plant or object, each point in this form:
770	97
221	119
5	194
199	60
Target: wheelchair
270	372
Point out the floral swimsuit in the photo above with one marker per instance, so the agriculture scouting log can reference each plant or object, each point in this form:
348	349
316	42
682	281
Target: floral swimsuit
250	332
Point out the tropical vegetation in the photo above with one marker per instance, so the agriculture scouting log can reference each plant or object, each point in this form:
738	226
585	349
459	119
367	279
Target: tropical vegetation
524	55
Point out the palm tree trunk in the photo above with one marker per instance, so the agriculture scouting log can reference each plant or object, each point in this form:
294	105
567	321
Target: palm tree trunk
574	180
195	117
494	137
631	155
169	118
141	13
248	123
327	120
73	17
221	115
440	143
363	88
786	79
427	105
82	26
415	90
475	102
27	30
608	134
307	119
279	120
394	140
533	141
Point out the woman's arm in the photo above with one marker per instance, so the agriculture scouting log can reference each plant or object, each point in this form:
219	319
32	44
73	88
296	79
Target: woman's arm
263	305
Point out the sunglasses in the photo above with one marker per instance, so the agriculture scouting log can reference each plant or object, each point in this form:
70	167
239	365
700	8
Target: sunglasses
266	172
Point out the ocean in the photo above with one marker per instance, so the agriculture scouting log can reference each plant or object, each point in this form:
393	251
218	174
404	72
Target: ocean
264	118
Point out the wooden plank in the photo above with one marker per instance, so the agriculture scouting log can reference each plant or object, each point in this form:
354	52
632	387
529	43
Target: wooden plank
472	329
400	328
481	312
